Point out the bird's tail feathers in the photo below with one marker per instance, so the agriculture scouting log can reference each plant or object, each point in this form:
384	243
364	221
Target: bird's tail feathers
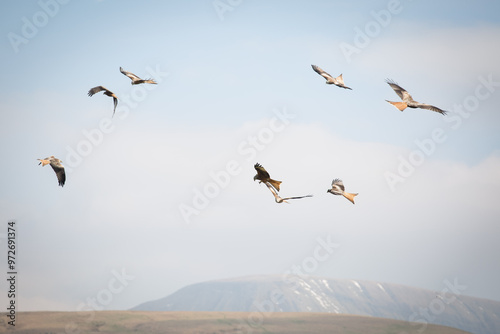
275	184
43	162
349	196
400	105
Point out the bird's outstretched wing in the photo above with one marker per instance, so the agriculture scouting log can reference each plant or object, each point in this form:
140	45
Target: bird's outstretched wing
60	173
325	75
430	107
338	183
149	81
402	93
98	89
297	197
132	76
115	102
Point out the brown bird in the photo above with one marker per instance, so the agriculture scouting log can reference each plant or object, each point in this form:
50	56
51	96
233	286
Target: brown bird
57	166
278	199
107	92
263	176
338	189
135	79
408	101
338	81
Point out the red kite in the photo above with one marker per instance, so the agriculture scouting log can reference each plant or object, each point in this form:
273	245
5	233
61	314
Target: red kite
107	92
263	176
338	189
338	81
408	101
135	79
57	166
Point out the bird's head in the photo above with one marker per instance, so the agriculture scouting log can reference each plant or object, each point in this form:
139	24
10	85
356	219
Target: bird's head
333	191
255	177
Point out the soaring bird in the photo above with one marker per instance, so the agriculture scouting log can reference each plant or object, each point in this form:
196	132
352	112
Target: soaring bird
107	92
263	176
57	166
338	81
135	79
408	101
338	189
278	199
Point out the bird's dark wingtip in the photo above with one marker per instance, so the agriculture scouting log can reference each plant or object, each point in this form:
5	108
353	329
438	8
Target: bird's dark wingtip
390	81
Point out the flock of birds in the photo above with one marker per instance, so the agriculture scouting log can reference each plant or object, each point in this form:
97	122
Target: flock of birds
407	100
135	81
337	187
55	163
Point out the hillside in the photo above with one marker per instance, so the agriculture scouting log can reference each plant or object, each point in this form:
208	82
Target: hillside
210	323
313	294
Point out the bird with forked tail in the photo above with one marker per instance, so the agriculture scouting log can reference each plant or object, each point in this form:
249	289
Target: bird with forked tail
135	79
339	189
330	80
263	176
408	101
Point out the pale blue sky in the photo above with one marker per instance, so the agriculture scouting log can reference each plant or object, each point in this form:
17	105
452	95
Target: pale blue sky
121	204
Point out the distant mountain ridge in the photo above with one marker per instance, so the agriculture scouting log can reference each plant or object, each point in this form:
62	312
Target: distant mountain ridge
314	294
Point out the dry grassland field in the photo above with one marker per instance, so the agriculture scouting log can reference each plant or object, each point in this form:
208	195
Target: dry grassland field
211	323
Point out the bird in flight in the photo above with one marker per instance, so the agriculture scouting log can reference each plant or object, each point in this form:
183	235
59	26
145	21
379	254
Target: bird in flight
338	81
279	199
107	92
338	189
57	166
408	101
135	79
263	176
